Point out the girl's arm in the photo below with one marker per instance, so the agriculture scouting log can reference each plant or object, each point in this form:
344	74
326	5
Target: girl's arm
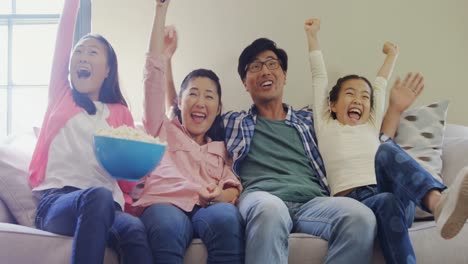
402	95
58	84
318	71
391	52
154	82
385	72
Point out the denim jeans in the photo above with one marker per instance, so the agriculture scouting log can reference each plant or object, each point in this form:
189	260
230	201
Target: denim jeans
94	220
401	183
171	230
347	225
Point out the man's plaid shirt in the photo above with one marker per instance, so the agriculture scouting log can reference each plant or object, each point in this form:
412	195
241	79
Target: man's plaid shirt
239	130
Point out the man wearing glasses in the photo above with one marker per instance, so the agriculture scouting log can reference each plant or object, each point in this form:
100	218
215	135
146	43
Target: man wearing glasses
283	176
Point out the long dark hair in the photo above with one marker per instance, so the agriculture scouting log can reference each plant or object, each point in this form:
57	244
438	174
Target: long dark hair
216	131
335	91
110	92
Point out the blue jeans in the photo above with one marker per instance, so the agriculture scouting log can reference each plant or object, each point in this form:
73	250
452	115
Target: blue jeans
171	230
94	220
347	225
401	183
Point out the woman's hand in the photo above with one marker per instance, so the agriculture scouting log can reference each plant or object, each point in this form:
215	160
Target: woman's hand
170	41
209	195
162	2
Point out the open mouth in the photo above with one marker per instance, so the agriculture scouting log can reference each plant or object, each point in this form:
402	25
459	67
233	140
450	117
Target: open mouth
354	114
198	117
83	73
267	84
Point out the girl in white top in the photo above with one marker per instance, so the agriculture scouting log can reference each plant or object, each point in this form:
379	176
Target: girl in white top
77	197
347	122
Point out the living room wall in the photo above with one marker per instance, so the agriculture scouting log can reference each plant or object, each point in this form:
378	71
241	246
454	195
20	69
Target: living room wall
432	36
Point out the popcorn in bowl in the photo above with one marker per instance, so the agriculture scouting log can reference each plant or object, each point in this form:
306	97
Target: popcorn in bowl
126	132
127	153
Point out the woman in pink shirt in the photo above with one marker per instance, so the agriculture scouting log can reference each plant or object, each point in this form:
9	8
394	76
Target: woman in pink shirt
193	190
76	196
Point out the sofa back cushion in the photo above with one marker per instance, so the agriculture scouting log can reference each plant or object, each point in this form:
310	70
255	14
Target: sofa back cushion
15	193
5	215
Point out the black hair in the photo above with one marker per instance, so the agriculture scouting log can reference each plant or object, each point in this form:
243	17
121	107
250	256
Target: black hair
216	131
110	90
258	46
335	91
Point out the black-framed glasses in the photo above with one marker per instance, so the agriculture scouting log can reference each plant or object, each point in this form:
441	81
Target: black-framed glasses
256	66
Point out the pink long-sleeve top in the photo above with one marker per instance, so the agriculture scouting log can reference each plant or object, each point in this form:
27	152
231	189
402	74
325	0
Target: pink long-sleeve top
65	123
186	166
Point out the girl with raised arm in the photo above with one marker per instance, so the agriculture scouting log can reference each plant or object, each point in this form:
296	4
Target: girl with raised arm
381	175
77	197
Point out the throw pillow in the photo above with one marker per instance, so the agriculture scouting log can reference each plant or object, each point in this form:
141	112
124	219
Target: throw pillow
421	134
15	155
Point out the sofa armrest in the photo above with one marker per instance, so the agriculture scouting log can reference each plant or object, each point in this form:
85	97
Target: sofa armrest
5	214
454	157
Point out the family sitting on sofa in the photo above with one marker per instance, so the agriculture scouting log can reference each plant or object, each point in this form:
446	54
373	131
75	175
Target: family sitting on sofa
241	197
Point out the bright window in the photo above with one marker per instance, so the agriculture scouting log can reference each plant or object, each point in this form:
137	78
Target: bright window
32	65
38	6
5	7
27	39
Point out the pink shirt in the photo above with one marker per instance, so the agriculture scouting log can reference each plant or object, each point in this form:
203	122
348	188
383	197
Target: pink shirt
186	166
61	107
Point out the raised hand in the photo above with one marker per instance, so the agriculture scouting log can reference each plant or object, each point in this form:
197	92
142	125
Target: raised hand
405	92
311	28
170	41
162	2
389	48
391	52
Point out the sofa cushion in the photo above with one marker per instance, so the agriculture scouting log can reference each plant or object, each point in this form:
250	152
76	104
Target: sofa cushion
15	155
20	244
421	133
431	248
303	248
5	215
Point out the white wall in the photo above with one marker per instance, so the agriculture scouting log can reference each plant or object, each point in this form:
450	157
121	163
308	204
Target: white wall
432	36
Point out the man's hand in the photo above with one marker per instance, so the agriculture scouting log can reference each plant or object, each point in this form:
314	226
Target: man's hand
170	41
405	92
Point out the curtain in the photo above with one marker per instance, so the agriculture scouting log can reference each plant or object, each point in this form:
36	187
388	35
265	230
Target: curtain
83	22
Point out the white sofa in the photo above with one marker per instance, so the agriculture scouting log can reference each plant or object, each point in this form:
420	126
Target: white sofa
20	243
